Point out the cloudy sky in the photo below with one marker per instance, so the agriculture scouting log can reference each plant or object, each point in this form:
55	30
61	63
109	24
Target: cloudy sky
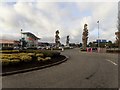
44	18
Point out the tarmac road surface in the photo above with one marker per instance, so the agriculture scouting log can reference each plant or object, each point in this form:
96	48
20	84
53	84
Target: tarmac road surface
81	70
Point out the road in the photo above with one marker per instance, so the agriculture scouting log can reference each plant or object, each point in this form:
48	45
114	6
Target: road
82	70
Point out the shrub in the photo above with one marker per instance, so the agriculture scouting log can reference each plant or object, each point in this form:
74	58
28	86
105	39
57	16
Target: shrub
31	54
56	54
14	61
14	56
9	51
22	54
5	56
50	53
40	59
30	51
5	62
48	58
113	51
10	56
39	55
43	59
25	58
47	54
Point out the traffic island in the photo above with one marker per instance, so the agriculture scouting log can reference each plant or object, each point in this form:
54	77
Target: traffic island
13	63
25	67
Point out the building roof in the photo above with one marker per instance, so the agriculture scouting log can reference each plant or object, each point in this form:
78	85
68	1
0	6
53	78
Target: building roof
6	41
29	33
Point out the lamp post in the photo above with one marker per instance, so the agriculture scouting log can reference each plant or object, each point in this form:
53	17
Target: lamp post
98	36
21	38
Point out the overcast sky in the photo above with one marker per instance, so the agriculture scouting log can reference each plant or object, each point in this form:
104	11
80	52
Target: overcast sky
44	18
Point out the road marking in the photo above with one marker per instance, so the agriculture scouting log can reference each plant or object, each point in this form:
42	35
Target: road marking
111	61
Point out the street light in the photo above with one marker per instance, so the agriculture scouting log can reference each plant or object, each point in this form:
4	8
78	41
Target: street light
98	33
21	38
98	36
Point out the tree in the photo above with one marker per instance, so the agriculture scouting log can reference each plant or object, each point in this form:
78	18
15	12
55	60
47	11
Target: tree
109	44
90	44
23	43
80	44
118	33
118	17
85	36
57	39
67	41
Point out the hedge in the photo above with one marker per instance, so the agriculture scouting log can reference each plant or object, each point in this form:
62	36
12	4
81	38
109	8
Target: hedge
25	58
113	51
6	62
43	59
50	53
9	51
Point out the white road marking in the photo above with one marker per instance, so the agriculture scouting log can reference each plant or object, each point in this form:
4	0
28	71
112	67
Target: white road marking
111	61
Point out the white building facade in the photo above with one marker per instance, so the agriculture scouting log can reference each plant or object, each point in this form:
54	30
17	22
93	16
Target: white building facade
31	39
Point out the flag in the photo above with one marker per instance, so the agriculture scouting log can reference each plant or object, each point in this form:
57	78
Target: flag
97	21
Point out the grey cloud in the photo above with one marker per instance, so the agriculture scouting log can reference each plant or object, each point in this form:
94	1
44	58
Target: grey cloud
44	19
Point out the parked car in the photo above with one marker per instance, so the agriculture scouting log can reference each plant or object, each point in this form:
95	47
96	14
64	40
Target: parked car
41	47
71	47
16	48
60	47
48	47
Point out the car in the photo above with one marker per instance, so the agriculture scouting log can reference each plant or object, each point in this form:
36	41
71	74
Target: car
71	47
48	47
41	47
16	48
60	47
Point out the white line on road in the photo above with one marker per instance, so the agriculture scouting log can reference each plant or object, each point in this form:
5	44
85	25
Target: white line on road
111	61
